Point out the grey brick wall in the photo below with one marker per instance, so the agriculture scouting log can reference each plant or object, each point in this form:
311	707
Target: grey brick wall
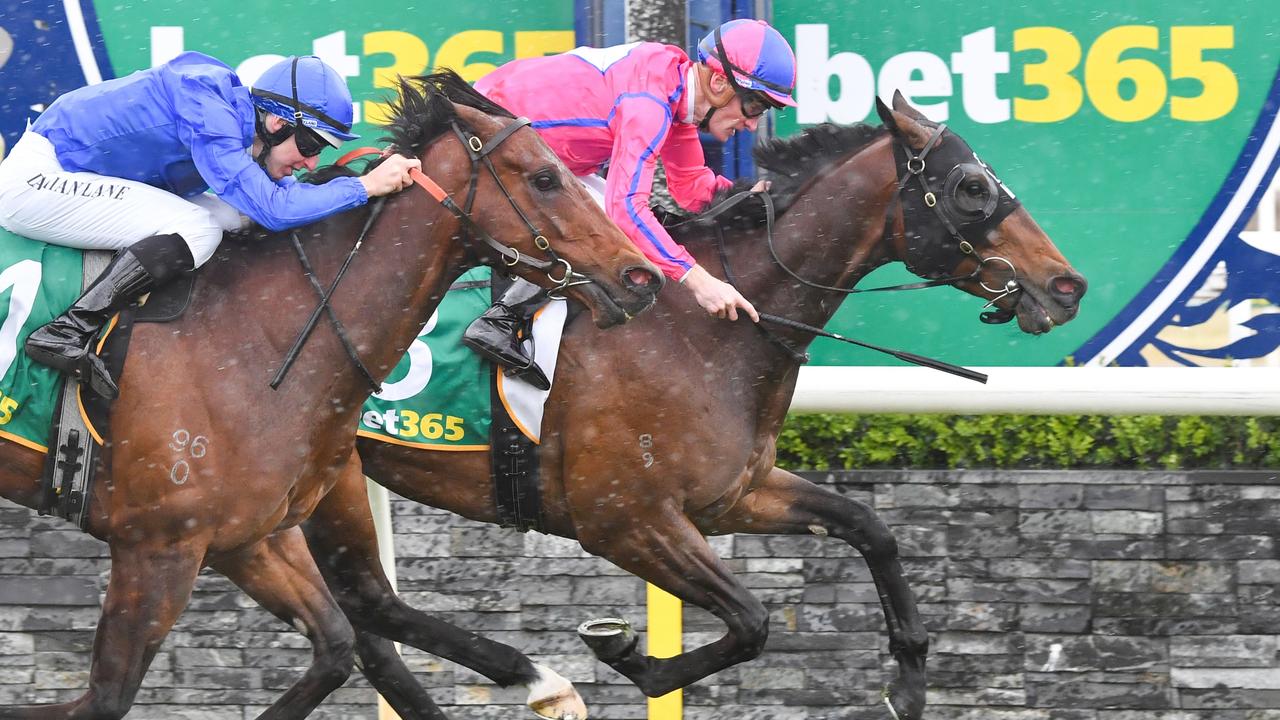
1048	595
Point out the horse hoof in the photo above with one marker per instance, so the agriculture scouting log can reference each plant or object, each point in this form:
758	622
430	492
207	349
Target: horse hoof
889	704
608	638
553	697
900	705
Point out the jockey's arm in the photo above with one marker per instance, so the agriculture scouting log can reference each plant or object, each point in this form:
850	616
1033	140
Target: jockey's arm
691	183
640	125
214	133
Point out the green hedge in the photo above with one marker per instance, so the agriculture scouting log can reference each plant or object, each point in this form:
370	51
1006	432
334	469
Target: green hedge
834	441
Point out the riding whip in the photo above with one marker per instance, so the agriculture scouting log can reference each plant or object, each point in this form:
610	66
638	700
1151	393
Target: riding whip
946	367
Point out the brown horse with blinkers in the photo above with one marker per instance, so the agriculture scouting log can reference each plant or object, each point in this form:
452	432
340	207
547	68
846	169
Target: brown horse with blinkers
194	391
664	432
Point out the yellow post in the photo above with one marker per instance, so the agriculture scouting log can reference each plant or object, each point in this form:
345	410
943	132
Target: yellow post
665	638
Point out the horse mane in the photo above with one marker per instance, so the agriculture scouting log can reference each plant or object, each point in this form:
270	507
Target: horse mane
422	112
425	109
790	163
814	149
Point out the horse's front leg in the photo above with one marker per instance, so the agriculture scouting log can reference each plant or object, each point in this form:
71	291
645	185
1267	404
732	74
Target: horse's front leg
664	548
790	505
343	540
150	586
279	573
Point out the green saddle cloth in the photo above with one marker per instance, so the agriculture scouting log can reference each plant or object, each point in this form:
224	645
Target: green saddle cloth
437	398
37	282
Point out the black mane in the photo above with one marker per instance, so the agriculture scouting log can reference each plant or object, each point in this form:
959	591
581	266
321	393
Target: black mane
790	162
425	108
421	113
803	156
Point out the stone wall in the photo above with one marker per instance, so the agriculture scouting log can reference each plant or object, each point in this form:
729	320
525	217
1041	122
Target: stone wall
1049	596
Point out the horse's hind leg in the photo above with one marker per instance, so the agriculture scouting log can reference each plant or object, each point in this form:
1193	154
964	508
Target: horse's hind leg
787	504
148	590
279	573
668	551
345	545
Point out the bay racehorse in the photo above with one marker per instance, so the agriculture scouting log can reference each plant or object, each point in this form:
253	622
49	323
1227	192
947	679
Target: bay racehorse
664	431
254	463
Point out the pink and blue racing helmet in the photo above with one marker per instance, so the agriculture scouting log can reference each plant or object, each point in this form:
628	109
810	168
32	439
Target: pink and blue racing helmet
753	56
305	91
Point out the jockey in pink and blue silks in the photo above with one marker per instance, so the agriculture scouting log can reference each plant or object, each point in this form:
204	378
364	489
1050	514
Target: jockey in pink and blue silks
625	107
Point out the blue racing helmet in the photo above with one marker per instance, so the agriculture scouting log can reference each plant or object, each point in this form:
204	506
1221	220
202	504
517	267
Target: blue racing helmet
753	56
305	91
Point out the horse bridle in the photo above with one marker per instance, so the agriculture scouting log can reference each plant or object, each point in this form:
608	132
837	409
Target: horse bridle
946	209
478	152
910	165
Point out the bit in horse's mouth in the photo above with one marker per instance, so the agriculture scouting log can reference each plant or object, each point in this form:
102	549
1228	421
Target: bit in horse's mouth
1033	316
605	309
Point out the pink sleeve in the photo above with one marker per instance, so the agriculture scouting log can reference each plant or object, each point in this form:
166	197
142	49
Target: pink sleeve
691	182
640	124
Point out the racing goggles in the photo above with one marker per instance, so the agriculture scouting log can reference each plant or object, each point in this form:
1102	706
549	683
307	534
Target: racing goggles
754	103
310	144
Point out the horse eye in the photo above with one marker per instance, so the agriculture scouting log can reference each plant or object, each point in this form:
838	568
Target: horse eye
975	188
546	181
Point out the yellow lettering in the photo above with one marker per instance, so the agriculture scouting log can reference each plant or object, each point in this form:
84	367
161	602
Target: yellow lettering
1105	73
431	427
1219	87
453	428
408	423
7	406
1063	94
455	52
409	57
534	43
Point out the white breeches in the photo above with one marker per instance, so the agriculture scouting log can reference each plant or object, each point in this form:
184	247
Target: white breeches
85	210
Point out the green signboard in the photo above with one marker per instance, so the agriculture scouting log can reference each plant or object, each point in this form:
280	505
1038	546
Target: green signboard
369	42
1141	139
1125	132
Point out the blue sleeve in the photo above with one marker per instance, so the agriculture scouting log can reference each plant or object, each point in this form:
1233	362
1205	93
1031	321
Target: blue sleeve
216	138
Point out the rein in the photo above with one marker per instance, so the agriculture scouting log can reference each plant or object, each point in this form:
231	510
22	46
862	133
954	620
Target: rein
799	355
324	306
915	166
478	152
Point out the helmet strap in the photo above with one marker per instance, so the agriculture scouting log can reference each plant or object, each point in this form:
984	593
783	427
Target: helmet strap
269	139
732	71
298	108
705	125
706	76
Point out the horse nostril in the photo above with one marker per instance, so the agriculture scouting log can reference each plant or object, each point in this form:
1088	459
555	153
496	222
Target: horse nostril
638	277
1068	288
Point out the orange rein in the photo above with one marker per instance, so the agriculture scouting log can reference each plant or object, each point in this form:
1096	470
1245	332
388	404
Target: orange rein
421	179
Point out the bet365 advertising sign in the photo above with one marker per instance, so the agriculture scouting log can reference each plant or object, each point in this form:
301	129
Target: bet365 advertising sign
50	46
1140	135
1140	138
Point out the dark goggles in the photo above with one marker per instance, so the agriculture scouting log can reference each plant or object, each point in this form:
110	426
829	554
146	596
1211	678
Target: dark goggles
754	103
309	143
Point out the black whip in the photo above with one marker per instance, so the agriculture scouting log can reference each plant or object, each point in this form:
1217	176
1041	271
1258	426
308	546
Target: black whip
946	367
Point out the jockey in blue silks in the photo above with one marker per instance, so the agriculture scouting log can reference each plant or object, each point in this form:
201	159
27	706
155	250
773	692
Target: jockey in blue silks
158	164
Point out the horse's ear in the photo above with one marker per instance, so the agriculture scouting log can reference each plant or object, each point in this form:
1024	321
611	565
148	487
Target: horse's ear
903	120
886	116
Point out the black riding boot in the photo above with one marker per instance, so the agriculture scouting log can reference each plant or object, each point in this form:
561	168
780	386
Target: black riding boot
495	335
65	343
